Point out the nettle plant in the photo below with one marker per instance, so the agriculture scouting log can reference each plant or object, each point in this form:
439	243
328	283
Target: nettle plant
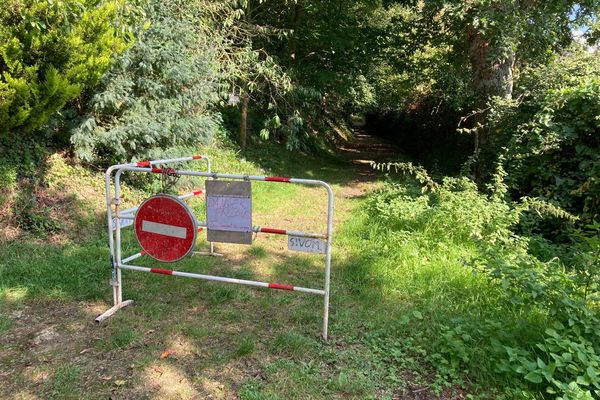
557	350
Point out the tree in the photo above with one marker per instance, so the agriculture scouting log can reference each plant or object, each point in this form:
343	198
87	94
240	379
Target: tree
251	72
297	60
161	92
498	36
50	51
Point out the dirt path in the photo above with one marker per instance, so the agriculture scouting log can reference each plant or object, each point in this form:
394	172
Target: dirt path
359	152
362	149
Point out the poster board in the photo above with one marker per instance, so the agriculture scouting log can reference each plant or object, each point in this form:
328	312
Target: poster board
229	211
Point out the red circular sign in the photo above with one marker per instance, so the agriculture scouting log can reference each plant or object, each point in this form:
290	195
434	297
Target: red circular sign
165	228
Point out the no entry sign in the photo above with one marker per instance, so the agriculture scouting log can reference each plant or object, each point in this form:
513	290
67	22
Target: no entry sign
165	228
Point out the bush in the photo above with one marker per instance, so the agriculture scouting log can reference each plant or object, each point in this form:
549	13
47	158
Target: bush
552	134
158	94
52	50
524	318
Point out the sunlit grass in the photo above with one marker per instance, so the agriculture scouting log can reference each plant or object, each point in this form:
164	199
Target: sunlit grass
390	292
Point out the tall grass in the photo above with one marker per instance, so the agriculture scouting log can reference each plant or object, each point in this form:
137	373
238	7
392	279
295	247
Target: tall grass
443	267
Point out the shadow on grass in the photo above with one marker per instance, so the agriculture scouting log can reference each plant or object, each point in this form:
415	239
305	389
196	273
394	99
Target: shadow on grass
328	167
182	338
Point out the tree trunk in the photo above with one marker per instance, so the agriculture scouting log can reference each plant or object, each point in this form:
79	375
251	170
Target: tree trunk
491	77
296	19
243	122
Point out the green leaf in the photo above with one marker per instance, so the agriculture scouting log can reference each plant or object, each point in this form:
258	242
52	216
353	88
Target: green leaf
264	134
583	380
534	376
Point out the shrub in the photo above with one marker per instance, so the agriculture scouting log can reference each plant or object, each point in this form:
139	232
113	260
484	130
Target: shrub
525	319
52	50
158	94
552	134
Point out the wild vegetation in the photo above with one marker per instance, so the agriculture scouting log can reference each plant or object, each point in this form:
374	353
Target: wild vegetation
466	255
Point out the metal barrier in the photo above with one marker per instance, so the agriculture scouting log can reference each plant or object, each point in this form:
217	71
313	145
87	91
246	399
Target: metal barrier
118	263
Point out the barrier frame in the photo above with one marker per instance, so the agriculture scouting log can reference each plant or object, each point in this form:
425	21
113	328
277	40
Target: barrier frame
118	263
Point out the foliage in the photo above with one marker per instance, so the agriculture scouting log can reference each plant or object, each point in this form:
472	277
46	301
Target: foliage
157	95
50	51
530	324
439	63
552	133
299	62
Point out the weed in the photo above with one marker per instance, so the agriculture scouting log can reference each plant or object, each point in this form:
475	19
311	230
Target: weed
222	293
257	251
120	338
251	390
194	331
63	384
351	382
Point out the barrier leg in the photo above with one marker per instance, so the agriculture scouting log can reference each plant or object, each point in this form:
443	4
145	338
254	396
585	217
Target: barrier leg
328	260
108	313
115	253
326	296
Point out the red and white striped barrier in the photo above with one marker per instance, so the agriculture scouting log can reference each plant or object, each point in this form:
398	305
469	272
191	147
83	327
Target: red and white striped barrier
118	263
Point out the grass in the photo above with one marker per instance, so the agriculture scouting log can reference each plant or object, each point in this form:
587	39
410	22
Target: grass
5	324
120	339
293	344
63	383
187	338
246	347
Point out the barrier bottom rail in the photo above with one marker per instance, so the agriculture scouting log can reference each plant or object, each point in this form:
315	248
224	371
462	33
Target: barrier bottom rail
222	279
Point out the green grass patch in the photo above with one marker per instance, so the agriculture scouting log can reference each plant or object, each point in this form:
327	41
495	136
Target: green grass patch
293	344
246	346
5	324
63	383
120	337
257	251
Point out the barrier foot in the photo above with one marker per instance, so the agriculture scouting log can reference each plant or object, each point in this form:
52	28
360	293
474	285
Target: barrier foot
207	253
108	313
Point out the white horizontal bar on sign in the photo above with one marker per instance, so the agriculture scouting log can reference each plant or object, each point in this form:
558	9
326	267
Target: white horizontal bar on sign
164	229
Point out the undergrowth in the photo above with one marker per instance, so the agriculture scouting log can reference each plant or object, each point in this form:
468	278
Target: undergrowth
482	305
